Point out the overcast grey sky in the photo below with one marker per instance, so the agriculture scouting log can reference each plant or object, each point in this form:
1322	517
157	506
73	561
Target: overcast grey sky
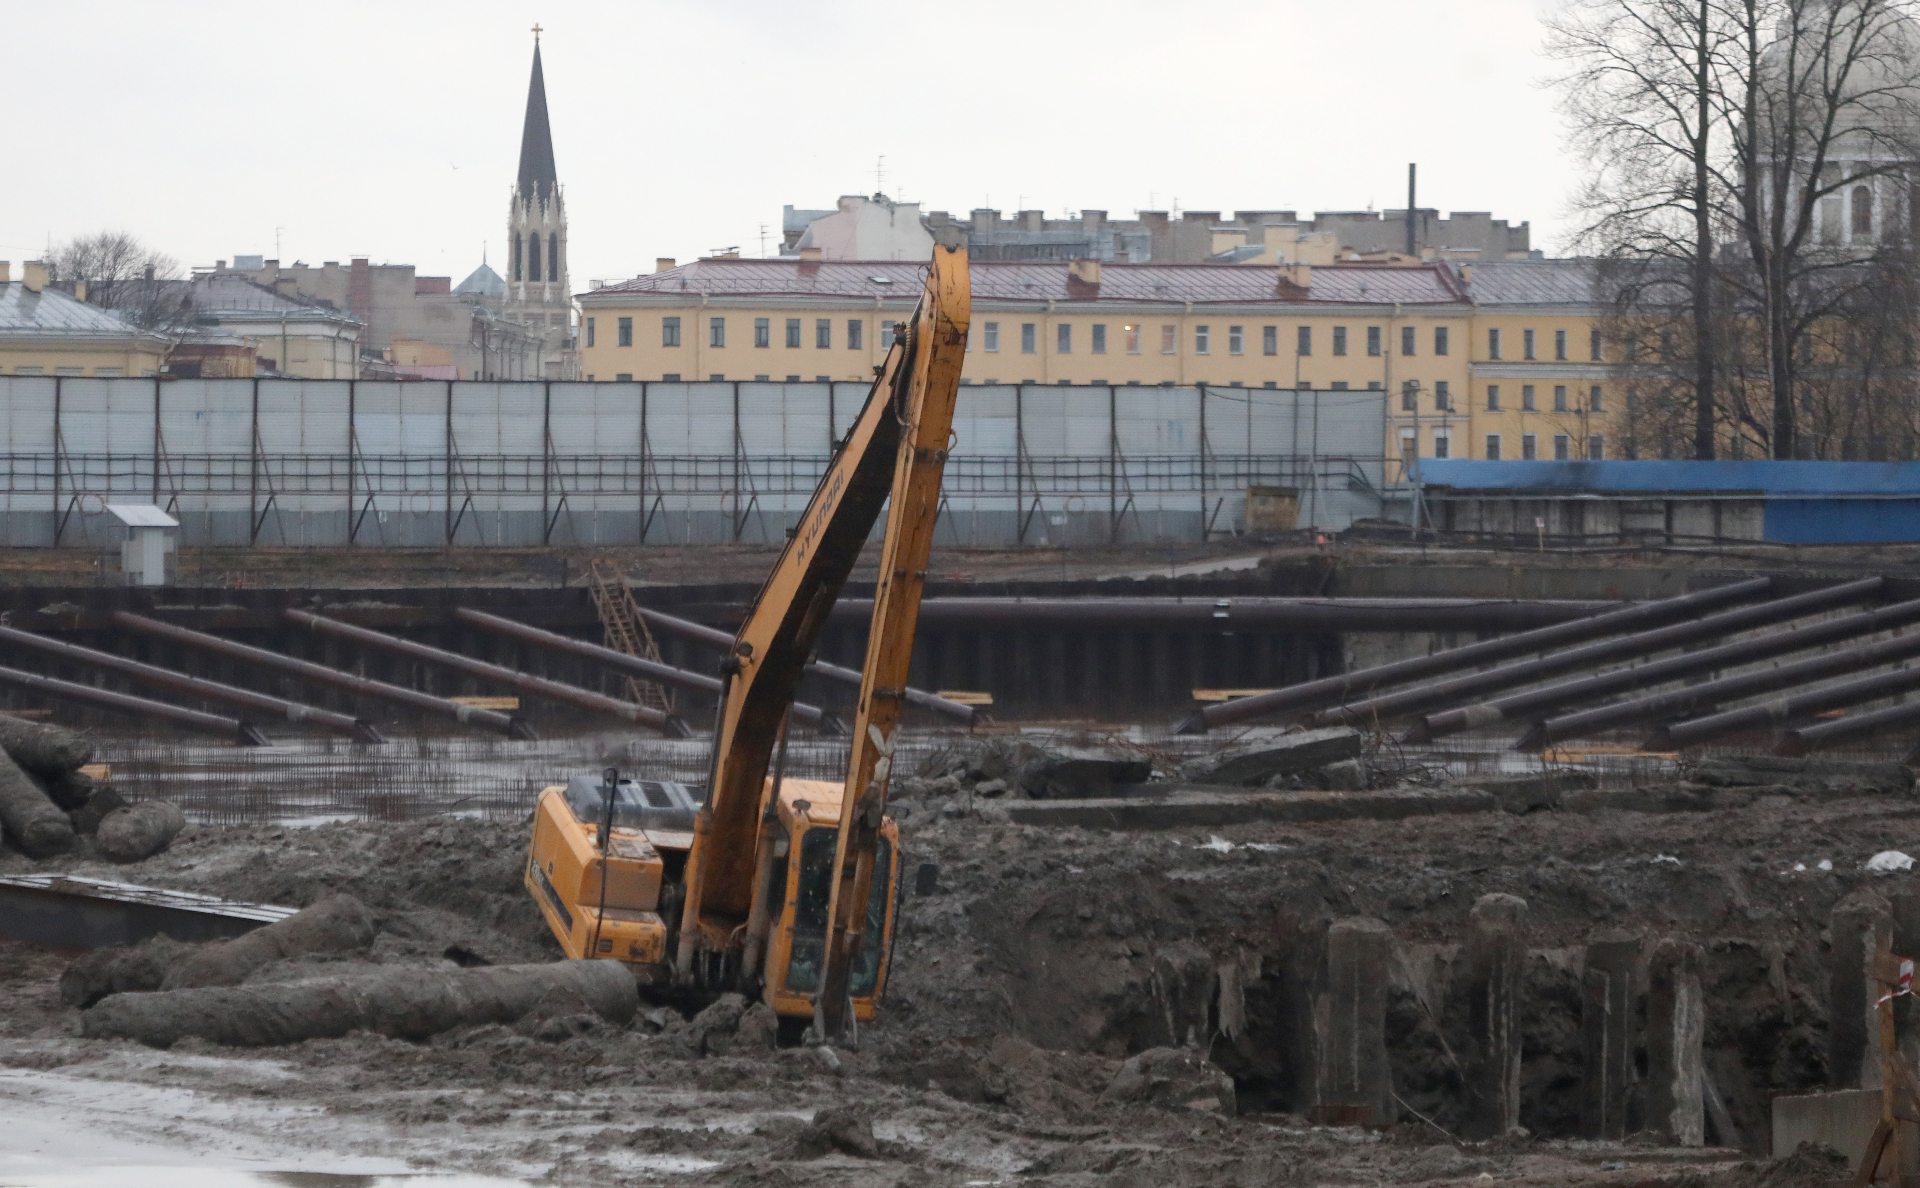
392	129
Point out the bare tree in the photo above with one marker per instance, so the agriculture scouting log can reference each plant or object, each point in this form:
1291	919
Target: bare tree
1644	89
125	275
1827	108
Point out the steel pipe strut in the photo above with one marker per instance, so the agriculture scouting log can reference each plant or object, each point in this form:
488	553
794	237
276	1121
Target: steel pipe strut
639	666
1728	655
574	695
1422	698
1241	613
1333	690
1779	711
1808	739
689	629
193	686
320	674
1697	698
139	707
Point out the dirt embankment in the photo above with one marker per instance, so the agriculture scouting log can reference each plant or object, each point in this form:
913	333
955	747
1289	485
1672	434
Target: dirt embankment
1036	961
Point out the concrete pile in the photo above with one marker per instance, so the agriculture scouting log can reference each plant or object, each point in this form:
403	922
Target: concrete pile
47	802
1325	760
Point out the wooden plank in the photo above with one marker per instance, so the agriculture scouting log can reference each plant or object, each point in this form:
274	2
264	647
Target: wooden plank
489	703
1226	694
964	697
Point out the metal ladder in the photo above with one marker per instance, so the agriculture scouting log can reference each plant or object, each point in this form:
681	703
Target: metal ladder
625	631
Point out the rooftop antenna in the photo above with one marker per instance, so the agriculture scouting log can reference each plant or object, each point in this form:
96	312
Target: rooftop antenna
763	241
880	174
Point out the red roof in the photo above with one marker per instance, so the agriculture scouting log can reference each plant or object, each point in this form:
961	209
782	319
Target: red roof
1339	284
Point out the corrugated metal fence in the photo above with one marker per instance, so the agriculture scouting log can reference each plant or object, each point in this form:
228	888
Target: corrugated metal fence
318	462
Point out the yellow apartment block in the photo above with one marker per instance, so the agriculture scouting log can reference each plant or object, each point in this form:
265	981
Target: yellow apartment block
45	331
1493	360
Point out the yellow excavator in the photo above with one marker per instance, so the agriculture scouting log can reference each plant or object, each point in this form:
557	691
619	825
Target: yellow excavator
775	887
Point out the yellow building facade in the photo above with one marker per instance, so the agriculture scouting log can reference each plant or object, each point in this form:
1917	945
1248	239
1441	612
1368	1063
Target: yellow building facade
1491	360
45	331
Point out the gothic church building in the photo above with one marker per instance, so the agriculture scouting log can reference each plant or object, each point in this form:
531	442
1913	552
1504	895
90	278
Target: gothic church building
537	294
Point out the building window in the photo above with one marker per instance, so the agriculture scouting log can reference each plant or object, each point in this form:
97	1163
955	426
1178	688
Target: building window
886	335
553	255
763	332
1442	443
671	377
1236	340
1526	344
1526	398
1593	399
1529	450
1493	344
1442	398
1493	447
793	333
1303	341
623	377
718	377
1373	340
1100	338
1409	446
589	331
1063	339
1203	340
1593	346
1339	340
107	372
1133	339
717	332
1596	448
993	336
856	333
1561	446
1406	340
1559	398
1169	340
1560	345
533	256
516	258
1493	397
822	333
1269	340
1410	396
1029	337
670	332
1339	385
623	332
1862	212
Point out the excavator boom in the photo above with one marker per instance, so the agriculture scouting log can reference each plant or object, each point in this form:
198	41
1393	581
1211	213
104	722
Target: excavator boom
895	449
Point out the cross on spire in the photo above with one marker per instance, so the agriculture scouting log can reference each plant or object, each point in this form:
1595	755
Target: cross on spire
536	31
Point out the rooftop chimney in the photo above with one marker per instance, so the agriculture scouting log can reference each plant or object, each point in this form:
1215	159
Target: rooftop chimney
6	272
663	264
810	255
33	274
79	290
1087	272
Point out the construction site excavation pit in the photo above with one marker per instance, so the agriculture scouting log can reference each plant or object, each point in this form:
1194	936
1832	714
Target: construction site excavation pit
1461	966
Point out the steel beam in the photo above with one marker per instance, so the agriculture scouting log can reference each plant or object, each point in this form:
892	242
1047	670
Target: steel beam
1696	698
139	707
574	695
1781	710
1454	690
193	686
638	666
1241	613
320	674
1333	690
1728	655
1808	739
74	912
689	629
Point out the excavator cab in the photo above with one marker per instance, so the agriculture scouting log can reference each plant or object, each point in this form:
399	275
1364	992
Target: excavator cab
809	821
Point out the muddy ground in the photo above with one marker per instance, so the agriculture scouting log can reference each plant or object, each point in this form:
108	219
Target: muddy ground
1034	963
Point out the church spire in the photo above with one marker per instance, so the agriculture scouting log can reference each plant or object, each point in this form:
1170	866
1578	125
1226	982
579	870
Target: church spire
538	178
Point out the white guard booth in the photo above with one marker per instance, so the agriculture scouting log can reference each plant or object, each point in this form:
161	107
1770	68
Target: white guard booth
150	539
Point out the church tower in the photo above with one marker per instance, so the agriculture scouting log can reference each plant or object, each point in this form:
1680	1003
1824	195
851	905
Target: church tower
537	292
